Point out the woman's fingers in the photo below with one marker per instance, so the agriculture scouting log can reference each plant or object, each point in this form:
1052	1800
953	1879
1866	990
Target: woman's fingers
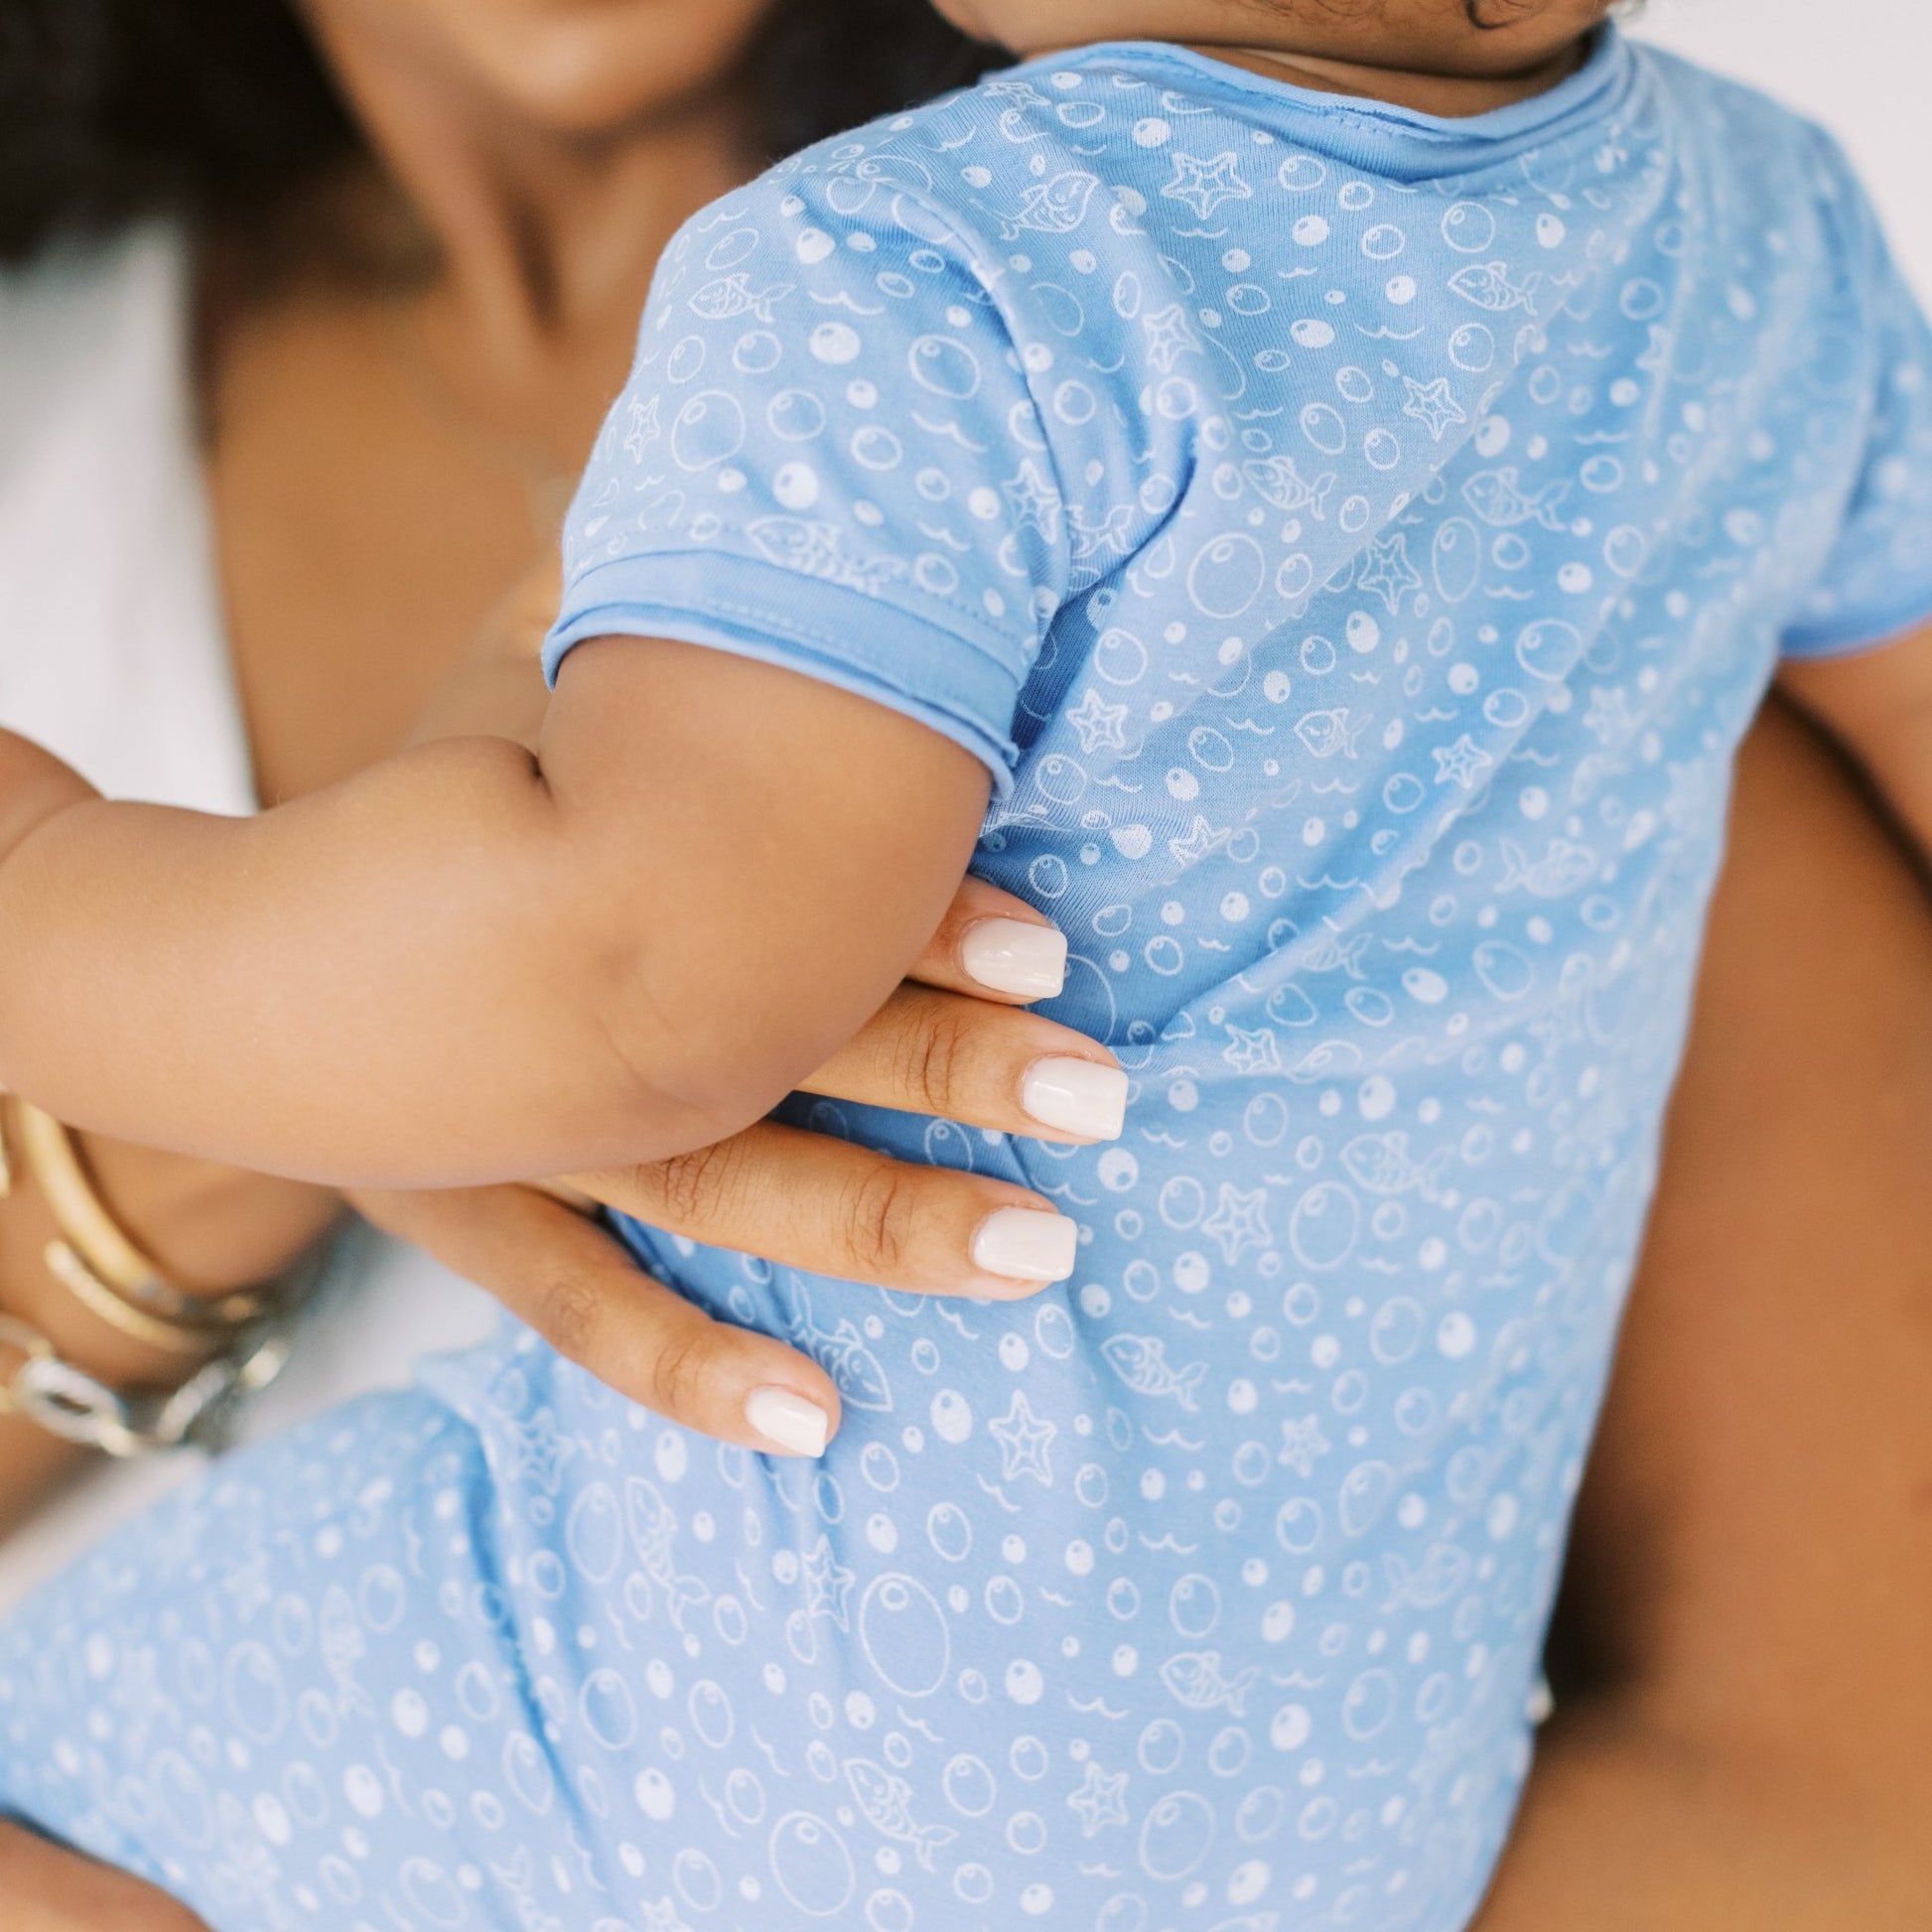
927	1051
810	1202
995	947
587	1297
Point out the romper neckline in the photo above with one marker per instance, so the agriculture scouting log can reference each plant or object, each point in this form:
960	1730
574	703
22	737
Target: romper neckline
1402	143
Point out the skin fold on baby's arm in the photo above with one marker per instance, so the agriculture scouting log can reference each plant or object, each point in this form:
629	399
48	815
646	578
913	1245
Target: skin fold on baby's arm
474	963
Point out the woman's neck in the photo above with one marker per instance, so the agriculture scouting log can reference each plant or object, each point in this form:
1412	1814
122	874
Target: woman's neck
544	243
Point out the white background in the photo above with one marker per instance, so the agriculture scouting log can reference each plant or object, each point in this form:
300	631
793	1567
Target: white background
1862	67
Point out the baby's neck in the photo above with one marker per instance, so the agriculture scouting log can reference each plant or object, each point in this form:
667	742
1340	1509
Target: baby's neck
1425	54
1452	95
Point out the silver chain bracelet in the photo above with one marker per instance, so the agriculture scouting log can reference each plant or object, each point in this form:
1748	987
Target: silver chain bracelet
69	1403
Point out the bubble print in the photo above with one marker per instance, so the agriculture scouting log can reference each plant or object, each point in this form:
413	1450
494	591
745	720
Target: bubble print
1353	560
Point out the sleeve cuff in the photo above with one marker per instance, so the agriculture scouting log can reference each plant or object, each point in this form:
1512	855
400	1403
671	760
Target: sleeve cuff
1846	633
963	686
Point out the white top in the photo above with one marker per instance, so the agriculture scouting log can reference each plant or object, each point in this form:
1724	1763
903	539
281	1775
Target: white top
115	658
111	654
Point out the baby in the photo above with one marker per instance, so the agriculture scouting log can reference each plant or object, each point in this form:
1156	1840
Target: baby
1341	481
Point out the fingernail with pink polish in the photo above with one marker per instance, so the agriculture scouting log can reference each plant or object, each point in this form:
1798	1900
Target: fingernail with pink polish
1015	956
786	1419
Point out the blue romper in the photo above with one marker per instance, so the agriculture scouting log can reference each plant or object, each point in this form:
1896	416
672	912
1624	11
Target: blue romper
1356	543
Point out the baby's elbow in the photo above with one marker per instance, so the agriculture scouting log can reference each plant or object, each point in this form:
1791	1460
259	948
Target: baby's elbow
707	1056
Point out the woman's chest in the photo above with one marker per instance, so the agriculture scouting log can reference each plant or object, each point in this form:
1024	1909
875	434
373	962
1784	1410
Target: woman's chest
358	540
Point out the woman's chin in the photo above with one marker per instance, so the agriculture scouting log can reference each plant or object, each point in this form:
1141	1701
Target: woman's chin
593	84
579	69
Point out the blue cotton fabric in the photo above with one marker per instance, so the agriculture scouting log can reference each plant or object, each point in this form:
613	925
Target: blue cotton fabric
1356	543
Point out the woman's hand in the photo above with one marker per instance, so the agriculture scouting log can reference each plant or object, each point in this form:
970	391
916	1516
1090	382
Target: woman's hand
952	1042
47	1889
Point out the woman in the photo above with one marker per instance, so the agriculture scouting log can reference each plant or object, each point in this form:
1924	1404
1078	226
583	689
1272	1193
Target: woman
391	63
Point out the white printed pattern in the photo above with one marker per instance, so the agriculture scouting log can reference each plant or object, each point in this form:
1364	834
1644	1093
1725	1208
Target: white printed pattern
1391	571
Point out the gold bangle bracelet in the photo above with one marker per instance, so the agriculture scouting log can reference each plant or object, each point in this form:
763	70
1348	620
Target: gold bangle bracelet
72	1271
113	1264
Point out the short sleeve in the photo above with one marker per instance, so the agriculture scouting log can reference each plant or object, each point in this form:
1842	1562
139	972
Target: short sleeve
827	457
1877	580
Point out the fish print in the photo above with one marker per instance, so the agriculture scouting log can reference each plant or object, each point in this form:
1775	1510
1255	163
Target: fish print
1382	1164
1376	781
1443	1572
1105	535
841	1351
653	1535
1331	734
1564	867
1279	479
1140	1362
1053	206
1197	1680
733	295
886	1802
343	1646
1499	499
1330	955
1489	286
817	550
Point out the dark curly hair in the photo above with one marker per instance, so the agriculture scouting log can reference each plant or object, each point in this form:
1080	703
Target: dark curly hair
220	108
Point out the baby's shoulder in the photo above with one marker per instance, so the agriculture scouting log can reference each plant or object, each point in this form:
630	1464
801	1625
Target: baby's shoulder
971	182
1755	153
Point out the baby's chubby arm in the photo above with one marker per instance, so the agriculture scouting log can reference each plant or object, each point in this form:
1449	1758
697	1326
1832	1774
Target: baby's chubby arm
1879	705
474	963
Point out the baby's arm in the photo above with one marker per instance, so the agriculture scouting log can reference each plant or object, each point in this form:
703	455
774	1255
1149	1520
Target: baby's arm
1879	705
473	962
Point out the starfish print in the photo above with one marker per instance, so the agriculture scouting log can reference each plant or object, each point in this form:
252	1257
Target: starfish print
642	429
137	1694
1252	1052
1099	722
1387	571
828	1585
1609	716
1024	1440
1690	787
1432	404
538	1449
1101	1799
663	1918
248	1587
1239	1222
1462	764
1302	1442
1202	838
1168	338
1036	502
1205	185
